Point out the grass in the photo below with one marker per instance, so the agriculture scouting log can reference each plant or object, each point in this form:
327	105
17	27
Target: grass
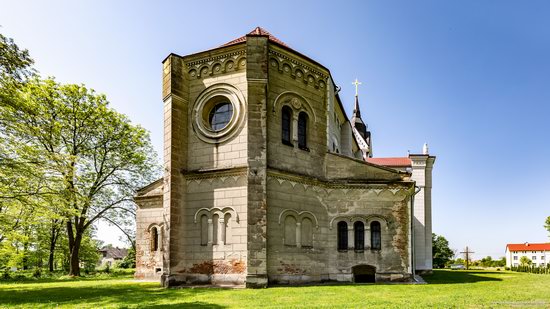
446	289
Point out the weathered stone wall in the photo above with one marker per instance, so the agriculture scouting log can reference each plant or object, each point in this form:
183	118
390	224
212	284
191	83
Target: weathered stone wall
149	214
301	85
326	204
214	229
227	66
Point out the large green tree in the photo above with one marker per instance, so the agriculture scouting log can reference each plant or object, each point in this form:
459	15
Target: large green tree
547	224
441	252
91	158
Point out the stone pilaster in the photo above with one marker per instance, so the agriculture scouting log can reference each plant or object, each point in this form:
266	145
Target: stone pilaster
257	76
175	97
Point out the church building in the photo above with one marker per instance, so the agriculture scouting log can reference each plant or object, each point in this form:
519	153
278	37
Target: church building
267	180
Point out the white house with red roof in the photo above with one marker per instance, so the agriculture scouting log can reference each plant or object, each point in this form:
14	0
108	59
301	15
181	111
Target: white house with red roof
537	253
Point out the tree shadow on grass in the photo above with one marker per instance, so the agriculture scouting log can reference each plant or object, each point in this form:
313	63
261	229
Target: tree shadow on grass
462	276
122	295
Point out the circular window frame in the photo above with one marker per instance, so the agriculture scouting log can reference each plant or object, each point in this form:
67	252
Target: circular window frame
207	100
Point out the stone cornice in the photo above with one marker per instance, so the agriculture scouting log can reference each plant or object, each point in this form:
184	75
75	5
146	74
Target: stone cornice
210	65
215	173
339	184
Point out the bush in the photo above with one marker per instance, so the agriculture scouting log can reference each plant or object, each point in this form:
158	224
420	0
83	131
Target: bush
498	269
6	274
506	268
37	273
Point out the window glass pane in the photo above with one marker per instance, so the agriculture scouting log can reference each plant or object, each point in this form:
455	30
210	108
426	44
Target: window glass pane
220	116
285	125
359	230
376	241
342	235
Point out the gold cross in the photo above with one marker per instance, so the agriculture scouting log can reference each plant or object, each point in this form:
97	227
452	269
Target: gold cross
356	83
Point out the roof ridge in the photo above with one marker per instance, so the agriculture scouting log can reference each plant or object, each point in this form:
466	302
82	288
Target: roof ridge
258	31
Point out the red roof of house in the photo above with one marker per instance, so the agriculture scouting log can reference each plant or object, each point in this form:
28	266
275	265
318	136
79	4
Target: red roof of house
258	31
396	162
528	247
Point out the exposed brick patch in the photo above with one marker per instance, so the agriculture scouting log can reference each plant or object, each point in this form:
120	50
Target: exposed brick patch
218	267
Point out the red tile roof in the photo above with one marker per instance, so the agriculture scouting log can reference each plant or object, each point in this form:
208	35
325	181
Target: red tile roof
395	162
528	247
258	31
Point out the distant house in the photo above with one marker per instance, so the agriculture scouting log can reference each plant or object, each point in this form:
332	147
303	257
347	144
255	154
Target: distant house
537	253
110	255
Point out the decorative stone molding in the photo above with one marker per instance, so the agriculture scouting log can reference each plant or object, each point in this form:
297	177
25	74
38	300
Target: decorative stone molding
226	176
294	101
233	61
209	96
328	187
221	212
297	70
299	216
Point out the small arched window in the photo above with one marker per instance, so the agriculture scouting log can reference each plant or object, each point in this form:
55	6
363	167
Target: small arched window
306	233
154	239
290	231
286	123
204	230
359	229
302	130
375	237
342	235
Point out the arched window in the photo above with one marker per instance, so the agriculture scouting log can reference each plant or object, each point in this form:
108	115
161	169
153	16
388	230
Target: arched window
302	130
307	233
290	231
342	235
286	123
375	237
359	229
215	229
204	230
227	236
154	239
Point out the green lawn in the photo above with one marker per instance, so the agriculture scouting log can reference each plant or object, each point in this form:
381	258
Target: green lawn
460	289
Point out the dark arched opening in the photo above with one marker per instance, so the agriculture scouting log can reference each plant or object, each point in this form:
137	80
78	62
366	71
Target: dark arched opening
342	236
364	274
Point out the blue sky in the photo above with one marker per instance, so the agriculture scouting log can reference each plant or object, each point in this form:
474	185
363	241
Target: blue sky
471	78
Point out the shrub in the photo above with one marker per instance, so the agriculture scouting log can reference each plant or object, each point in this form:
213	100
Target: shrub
6	274
37	273
507	268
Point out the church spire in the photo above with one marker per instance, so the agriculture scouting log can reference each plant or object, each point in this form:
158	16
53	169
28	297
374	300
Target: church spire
362	135
356	120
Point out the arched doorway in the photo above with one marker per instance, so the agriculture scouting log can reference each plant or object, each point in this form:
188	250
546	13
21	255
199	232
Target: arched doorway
364	274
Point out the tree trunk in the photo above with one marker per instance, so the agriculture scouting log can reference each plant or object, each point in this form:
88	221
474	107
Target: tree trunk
74	249
53	241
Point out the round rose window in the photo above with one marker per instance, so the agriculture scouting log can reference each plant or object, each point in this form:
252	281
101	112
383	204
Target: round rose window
220	115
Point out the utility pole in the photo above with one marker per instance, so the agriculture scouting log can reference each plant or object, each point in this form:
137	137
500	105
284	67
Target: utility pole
467	253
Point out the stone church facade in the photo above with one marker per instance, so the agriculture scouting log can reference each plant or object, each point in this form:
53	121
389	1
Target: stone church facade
267	181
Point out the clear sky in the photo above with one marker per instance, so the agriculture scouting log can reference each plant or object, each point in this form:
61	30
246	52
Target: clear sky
471	78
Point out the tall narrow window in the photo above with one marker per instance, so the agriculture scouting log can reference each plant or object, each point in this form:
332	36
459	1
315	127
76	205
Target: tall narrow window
302	130
375	237
307	233
204	230
290	231
154	239
286	121
342	235
215	229
359	229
